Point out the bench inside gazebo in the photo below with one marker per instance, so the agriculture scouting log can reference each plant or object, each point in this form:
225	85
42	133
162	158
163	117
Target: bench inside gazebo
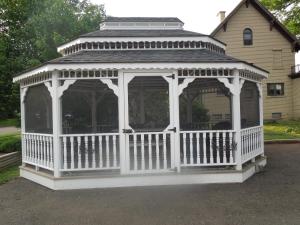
141	102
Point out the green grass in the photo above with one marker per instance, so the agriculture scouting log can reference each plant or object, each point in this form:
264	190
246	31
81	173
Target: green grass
9	122
10	142
9	174
282	130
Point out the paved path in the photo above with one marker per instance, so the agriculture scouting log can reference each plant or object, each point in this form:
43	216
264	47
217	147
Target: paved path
8	130
269	198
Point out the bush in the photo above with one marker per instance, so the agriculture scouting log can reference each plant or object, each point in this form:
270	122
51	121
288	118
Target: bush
10	143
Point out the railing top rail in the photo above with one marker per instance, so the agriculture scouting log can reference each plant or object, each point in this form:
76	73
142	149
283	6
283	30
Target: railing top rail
88	135
38	134
251	128
207	131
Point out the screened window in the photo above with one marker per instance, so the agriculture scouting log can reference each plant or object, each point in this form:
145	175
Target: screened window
249	105
205	105
248	36
275	89
38	110
148	103
89	106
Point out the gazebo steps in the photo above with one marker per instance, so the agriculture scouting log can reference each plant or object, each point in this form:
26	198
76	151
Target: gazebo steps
190	176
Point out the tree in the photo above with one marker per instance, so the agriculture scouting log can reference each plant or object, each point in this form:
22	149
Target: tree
30	31
287	11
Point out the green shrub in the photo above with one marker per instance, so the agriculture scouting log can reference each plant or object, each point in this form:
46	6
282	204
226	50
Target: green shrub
10	143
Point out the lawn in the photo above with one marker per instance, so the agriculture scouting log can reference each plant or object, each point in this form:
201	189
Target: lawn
9	174
282	130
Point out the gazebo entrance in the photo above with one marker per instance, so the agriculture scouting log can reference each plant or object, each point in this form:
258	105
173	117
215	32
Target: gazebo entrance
149	122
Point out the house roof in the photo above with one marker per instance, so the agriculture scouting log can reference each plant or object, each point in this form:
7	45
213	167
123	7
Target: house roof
269	16
142	19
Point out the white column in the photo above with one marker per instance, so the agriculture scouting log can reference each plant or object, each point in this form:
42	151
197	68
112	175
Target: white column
56	117
261	116
123	164
176	122
236	118
23	92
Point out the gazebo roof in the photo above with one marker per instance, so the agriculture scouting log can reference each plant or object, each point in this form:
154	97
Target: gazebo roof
143	33
146	56
141	19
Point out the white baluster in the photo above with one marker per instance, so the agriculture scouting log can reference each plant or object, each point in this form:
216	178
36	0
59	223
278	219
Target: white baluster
115	150
224	147
198	148
72	152
100	152
211	158
165	150
107	151
43	143
134	152
157	151
204	149
48	160
191	149
26	146
86	151
93	152
79	152
184	149
218	147
35	150
231	148
150	150
143	151
51	151
65	152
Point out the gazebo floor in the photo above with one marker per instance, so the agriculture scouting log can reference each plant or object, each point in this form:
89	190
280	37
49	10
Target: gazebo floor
114	179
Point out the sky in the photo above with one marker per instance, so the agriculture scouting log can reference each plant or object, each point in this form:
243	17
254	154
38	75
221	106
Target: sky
198	15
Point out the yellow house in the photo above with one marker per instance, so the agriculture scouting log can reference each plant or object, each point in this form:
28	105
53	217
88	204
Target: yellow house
253	34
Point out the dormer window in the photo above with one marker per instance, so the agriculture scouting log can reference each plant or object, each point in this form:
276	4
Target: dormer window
248	37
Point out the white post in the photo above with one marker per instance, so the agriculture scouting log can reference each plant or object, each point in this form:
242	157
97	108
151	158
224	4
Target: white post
176	122
123	164
23	92
261	116
56	117
236	119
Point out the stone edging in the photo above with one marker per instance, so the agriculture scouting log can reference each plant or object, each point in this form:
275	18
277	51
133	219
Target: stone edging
283	141
10	159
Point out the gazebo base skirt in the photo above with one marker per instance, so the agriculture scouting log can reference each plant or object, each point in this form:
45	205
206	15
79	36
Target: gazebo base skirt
188	177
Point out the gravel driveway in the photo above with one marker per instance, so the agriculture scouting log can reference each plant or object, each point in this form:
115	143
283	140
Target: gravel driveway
271	197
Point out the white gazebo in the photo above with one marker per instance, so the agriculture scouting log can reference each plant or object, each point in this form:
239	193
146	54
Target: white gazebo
141	102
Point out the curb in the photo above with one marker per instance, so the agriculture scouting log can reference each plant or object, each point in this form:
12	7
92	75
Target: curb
283	141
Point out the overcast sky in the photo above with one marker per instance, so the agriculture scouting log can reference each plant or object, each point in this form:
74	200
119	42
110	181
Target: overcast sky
198	15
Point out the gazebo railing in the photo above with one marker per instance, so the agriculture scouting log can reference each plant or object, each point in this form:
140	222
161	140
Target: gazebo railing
207	148
251	142
38	150
82	152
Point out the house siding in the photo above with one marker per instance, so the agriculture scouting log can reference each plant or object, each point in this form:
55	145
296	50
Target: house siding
261	53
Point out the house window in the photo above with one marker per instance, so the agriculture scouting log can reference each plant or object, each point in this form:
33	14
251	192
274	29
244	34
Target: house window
275	89
248	36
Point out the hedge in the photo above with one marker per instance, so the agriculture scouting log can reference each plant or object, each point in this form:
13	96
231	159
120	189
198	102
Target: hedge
10	143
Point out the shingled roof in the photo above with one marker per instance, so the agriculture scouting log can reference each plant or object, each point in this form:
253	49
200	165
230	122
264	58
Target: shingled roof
142	19
143	33
269	16
145	56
